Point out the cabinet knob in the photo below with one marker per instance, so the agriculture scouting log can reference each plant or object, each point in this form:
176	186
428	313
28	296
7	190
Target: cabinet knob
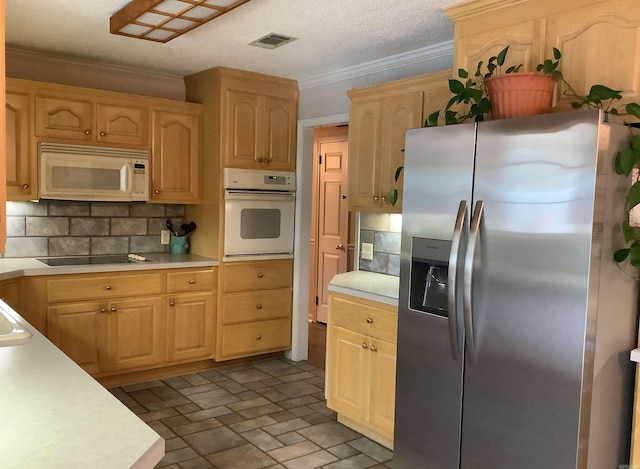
108	287
192	281
103	310
376	198
383	198
265	161
259	160
340	247
87	132
102	134
260	275
370	320
172	303
364	345
156	192
113	309
373	348
259	337
25	186
259	306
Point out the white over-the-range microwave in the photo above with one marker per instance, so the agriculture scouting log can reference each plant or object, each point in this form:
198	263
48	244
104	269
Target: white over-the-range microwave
80	172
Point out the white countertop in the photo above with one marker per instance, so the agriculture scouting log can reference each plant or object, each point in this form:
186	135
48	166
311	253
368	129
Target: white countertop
368	285
54	415
23	266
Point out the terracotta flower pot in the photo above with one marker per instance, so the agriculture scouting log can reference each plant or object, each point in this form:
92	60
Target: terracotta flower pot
520	94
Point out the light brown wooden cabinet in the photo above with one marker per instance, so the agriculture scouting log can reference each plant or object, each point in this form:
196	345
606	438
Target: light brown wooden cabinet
361	365
110	323
175	155
66	115
587	32
10	293
378	120
21	177
261	131
256	306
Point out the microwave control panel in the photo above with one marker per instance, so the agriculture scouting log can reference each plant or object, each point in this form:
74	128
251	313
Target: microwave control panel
140	179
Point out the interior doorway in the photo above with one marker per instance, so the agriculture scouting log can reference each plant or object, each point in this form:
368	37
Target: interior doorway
332	247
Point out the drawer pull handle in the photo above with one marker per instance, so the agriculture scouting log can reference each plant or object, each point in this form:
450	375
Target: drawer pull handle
364	345
192	281
260	275
113	309
373	348
370	320
108	287
172	303
259	337
259	306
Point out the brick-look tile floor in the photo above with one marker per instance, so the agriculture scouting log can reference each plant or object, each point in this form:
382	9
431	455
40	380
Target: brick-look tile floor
266	414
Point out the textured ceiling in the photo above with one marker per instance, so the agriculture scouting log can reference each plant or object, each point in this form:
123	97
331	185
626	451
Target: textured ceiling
331	34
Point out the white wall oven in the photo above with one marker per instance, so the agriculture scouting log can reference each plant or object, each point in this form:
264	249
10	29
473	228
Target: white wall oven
259	212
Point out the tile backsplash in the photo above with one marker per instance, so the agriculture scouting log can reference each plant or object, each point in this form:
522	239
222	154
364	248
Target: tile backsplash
383	230
61	228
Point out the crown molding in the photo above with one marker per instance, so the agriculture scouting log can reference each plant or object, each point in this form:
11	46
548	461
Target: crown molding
425	54
470	8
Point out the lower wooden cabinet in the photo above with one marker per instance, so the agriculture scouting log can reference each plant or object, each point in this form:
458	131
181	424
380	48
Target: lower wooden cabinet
190	326
108	336
109	331
361	365
256	307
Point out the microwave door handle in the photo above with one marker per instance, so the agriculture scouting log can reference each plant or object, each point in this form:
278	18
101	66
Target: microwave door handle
129	174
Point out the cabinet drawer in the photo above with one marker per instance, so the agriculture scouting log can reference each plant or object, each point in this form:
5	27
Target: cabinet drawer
364	317
77	287
195	280
256	337
261	275
256	306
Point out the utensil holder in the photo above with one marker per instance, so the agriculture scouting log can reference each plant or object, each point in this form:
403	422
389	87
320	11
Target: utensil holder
178	244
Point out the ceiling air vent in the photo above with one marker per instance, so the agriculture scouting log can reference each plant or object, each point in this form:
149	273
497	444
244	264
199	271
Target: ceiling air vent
271	41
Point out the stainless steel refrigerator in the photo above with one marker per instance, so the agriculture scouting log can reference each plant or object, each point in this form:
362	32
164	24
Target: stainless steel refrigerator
515	324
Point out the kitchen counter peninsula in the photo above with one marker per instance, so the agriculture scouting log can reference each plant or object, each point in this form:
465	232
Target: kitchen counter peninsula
368	285
55	415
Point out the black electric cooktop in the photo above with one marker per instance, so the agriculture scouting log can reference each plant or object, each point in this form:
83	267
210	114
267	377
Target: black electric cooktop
88	260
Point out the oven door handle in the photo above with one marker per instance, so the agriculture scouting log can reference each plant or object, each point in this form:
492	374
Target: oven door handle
258	195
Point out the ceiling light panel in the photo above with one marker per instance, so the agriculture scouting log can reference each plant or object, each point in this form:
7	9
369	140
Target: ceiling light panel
163	20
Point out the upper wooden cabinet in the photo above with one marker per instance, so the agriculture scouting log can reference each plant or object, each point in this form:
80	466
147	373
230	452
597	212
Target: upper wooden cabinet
44	112
379	118
599	39
85	120
22	182
175	155
254	117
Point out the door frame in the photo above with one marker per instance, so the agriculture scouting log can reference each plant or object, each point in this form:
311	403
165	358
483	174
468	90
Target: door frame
322	135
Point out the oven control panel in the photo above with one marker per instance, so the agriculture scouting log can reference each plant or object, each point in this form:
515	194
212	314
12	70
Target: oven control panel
258	179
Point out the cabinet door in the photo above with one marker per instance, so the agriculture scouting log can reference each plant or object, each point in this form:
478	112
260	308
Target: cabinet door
10	293
136	333
64	118
348	373
364	154
21	159
278	137
175	158
190	326
123	125
400	113
242	120
79	330
383	386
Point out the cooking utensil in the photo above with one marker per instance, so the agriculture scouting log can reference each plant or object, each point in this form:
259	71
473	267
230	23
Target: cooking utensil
190	227
171	227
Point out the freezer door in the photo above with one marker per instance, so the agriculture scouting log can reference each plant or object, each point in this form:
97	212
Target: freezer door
524	366
437	177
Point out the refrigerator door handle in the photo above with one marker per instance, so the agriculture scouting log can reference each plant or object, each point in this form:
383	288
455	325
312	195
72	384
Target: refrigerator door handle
474	234
455	336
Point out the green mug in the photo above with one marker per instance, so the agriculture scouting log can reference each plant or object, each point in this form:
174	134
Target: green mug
178	244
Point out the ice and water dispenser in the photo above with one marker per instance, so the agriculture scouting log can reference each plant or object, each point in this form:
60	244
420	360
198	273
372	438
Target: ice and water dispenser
429	276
